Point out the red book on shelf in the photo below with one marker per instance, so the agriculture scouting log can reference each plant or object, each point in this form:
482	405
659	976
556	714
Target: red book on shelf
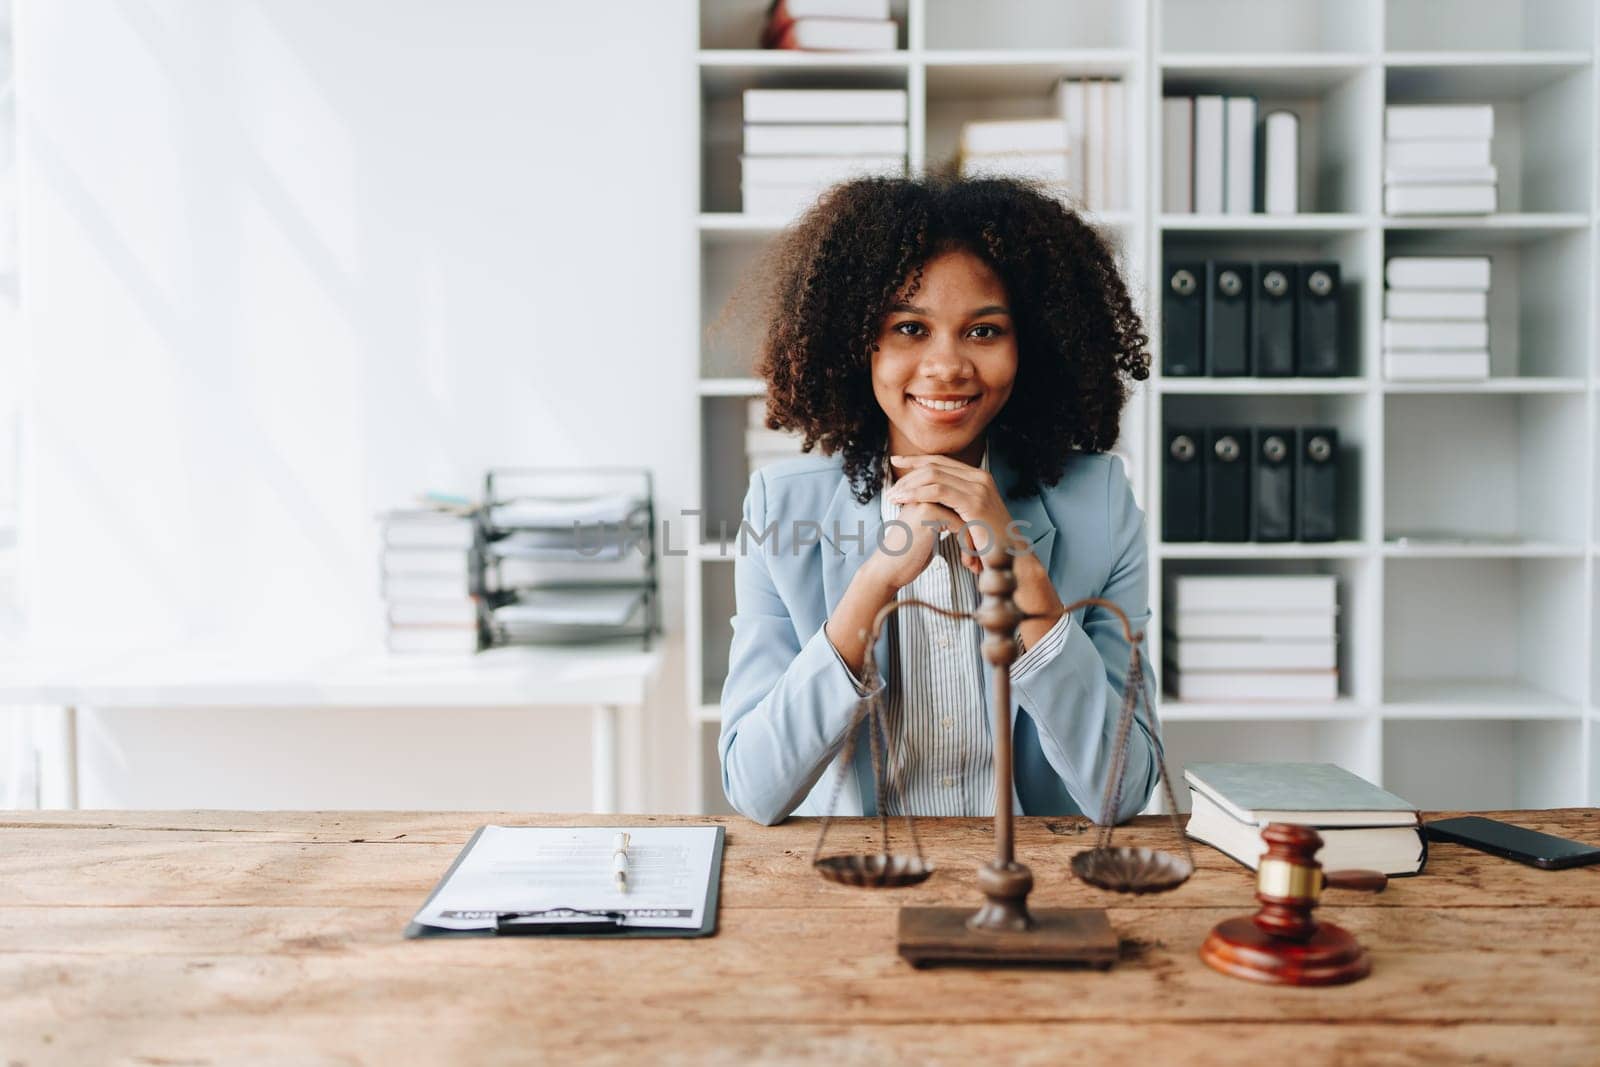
798	24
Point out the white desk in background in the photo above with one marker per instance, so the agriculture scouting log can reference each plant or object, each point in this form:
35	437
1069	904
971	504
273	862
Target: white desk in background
610	680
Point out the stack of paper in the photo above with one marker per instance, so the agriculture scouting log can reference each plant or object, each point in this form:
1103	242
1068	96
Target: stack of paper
425	561
1240	638
1436	318
797	142
830	26
1436	160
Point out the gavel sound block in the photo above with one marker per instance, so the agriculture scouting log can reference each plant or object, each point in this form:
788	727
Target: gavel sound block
1282	943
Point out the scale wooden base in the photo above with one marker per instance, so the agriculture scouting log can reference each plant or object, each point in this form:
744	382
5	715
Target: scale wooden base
930	936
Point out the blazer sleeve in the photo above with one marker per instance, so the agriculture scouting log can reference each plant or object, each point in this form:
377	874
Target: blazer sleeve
1075	695
789	700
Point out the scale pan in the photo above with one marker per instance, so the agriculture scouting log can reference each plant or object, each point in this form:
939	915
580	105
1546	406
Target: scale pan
874	870
1131	870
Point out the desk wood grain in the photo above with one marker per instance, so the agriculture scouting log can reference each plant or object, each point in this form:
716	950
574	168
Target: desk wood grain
239	937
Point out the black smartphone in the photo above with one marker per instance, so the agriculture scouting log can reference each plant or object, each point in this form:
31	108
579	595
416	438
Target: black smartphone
1513	842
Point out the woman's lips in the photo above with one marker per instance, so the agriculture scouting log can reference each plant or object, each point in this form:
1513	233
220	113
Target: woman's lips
943	410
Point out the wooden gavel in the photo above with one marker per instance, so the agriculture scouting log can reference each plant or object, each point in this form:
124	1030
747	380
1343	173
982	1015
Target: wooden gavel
1281	943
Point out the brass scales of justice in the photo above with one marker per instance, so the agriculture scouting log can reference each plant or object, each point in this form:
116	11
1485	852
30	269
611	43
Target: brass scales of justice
1004	929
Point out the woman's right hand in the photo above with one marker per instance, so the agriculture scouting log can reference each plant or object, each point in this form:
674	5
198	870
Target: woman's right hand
905	553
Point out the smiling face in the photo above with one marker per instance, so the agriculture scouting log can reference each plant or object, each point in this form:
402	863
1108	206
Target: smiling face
946	359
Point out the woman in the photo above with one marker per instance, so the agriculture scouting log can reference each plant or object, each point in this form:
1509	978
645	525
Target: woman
959	351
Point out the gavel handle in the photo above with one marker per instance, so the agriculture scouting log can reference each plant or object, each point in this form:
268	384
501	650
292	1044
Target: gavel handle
1372	881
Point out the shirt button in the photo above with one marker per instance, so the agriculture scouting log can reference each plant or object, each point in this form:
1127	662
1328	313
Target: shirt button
949	782
943	641
947	722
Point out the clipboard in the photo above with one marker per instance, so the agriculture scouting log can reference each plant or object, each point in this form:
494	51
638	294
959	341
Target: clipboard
417	931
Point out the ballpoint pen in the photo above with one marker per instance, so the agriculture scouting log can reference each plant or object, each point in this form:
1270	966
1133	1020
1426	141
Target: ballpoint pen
619	861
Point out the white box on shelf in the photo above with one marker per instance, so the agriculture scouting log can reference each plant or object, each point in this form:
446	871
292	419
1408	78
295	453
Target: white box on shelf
1254	592
816	170
1463	304
825	105
1257	625
1430	155
1190	654
1013	135
1438	272
1438	122
1239	162
1437	199
1441	335
825	139
1211	687
1436	366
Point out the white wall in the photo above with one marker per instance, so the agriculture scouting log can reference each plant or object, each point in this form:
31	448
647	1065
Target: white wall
286	262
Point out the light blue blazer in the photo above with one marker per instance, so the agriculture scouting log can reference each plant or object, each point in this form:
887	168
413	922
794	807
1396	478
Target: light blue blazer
788	701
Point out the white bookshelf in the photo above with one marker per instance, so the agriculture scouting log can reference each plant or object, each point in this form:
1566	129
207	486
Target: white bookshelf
1469	550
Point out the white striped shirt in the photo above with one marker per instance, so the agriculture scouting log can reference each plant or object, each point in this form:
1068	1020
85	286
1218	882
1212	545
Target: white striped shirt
940	758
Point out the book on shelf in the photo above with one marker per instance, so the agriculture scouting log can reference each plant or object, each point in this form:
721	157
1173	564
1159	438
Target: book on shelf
1486	175
427	562
815	171
1072	109
988	136
1177	155
1439	199
426	587
1246	687
1438	272
1275	653
1457	305
1254	592
1210	148
1091	133
1441	334
1257	625
1278	172
1362	826
425	528
1438	122
1239	155
825	105
832	35
1424	156
825	139
1436	366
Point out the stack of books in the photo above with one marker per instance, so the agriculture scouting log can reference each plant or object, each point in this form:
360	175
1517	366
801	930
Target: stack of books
425	557
1239	638
1362	827
1436	318
830	26
798	142
1215	160
1436	159
763	446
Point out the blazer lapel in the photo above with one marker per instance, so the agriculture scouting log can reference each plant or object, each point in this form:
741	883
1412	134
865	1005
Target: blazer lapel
850	532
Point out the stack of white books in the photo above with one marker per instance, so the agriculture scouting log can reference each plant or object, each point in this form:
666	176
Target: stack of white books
1241	638
797	142
1436	159
763	446
1436	318
426	568
1095	113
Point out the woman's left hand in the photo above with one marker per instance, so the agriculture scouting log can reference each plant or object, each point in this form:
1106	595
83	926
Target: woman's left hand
970	492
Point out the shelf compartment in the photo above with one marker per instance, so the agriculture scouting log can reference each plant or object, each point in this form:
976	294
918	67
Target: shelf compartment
954	75
1023	25
729	334
1542	167
1492	26
1358	608
1481	637
1539	298
1350	742
1333	105
1255	26
1352	251
1345	413
737	24
1483	467
1260	386
1484	765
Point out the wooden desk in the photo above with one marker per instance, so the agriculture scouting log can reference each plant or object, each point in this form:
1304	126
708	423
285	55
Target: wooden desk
207	937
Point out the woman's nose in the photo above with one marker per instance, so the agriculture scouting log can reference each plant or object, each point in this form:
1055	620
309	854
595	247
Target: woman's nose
943	360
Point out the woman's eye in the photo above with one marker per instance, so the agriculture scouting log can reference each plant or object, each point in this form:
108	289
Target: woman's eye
988	333
910	329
